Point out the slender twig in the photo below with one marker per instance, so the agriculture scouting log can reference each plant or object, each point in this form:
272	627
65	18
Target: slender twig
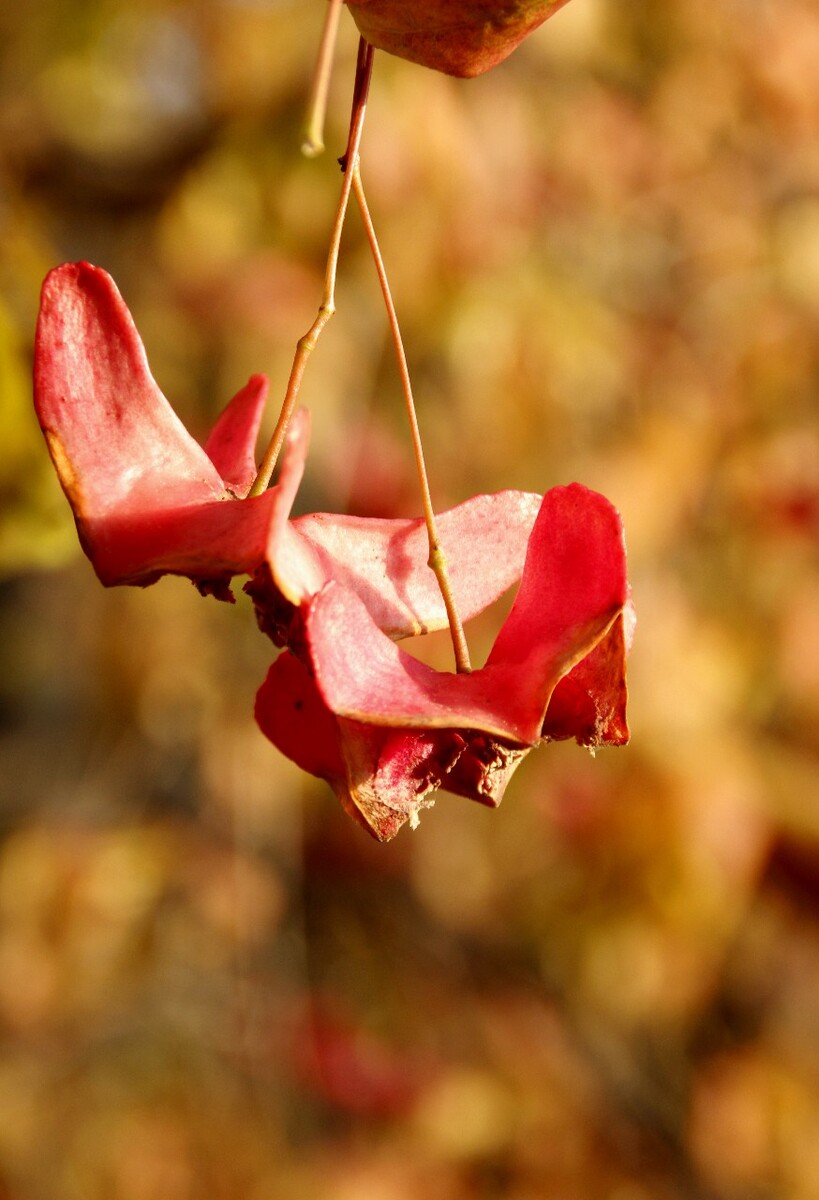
313	133
437	558
306	344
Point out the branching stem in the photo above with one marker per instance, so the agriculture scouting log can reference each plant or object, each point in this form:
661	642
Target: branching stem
307	343
437	558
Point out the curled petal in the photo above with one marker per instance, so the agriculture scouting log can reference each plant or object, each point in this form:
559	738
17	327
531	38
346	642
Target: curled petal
575	574
231	444
209	541
147	498
205	542
484	769
572	590
388	731
383	777
589	704
365	677
292	714
112	434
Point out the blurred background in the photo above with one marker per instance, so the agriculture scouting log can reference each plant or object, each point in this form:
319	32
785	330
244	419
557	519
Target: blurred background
605	256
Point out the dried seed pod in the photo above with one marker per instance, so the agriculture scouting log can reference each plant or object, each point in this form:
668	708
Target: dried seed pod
458	37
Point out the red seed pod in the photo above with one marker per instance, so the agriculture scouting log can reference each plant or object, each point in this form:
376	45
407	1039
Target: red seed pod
458	37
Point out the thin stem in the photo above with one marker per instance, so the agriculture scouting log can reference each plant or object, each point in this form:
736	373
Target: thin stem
437	558
307	343
313	133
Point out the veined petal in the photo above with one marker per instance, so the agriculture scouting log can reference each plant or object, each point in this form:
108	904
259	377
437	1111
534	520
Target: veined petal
384	562
114	438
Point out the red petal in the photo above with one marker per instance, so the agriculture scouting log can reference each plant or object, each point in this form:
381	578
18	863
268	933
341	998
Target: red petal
291	713
146	497
114	438
589	704
460	37
381	776
366	677
205	542
208	541
231	446
574	579
573	587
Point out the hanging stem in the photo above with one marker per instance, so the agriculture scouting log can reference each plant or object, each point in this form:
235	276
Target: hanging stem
313	134
437	558
307	343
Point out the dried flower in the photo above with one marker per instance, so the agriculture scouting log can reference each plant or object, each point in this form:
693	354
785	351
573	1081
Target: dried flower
387	730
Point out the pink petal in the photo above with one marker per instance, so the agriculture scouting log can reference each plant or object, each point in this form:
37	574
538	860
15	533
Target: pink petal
114	438
572	590
148	500
231	445
385	561
208	541
365	677
205	542
381	776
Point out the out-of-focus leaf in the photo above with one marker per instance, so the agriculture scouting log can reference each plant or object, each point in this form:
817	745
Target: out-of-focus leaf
34	527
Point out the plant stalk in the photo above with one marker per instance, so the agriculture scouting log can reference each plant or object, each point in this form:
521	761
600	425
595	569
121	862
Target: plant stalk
307	343
313	134
437	559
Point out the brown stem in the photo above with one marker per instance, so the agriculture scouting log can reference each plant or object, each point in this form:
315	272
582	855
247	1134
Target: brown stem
313	134
437	558
306	344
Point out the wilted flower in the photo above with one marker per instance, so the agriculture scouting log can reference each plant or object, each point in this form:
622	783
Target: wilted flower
386	730
342	700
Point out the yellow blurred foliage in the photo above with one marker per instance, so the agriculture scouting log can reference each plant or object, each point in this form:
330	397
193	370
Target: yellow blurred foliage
605	259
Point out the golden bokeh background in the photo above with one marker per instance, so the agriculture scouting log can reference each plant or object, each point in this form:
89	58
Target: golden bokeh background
605	257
